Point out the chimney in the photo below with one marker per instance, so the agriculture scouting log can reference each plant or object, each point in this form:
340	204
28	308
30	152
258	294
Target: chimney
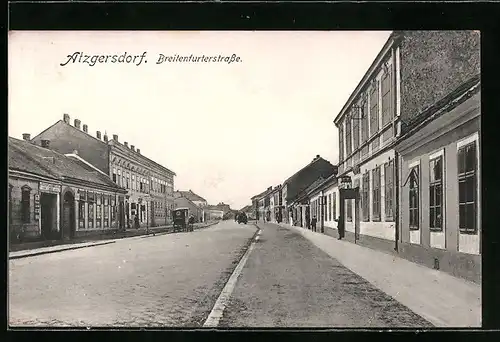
85	128
77	123
45	143
105	137
132	147
126	144
66	118
115	137
139	151
26	136
98	135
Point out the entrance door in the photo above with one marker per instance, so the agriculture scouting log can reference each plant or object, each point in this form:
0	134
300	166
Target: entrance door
48	204
345	194
68	216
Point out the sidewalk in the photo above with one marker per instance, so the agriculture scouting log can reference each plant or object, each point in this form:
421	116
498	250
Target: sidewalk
442	299
100	240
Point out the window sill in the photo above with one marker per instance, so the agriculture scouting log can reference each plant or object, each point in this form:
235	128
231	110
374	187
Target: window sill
468	232
414	229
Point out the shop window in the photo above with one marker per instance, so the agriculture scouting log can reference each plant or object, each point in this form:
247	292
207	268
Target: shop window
414	198
98	208
25	204
90	209
436	194
81	214
113	210
106	211
365	197
389	190
376	194
329	207
467	188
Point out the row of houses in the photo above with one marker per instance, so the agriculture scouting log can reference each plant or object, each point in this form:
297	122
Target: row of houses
407	180
66	183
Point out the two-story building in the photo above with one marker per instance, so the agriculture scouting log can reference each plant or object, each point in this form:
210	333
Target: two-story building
414	73
149	200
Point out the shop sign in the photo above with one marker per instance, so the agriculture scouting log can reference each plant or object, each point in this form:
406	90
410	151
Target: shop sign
46	187
37	206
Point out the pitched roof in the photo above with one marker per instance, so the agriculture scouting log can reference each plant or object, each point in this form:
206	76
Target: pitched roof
28	157
190	195
298	173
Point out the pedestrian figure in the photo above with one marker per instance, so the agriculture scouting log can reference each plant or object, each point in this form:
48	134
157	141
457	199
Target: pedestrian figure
313	223
341	228
136	221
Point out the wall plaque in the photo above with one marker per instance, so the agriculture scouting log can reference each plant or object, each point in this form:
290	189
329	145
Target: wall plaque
50	188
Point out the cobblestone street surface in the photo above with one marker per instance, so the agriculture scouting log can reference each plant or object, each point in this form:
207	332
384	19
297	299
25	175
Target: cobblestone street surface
289	282
167	280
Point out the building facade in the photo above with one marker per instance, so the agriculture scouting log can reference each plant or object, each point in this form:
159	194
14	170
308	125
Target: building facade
54	196
414	73
301	180
149	200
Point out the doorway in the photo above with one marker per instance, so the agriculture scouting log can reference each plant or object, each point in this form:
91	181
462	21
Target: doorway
48	215
349	194
68	216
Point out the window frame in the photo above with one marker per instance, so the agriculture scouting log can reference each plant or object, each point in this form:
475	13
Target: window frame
411	224
386	112
374	104
463	176
348	135
389	191
433	184
341	142
376	194
365	196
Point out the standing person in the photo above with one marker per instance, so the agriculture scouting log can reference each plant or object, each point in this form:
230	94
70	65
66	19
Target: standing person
341	227
313	223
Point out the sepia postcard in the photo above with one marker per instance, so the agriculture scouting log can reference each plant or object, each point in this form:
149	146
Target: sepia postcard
244	179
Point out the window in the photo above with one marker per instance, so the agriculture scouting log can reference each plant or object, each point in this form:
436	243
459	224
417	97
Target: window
113	209
334	207
330	207
106	211
414	197
81	214
355	133
376	193
374	109
364	123
128	180
124	183
386	99
436	193
98	210
348	132
90	209
119	178
25	204
133	182
114	175
389	190
341	142
365	197
467	188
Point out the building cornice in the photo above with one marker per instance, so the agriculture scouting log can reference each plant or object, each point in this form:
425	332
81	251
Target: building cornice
384	53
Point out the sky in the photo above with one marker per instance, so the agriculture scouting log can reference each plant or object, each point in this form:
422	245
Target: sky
228	130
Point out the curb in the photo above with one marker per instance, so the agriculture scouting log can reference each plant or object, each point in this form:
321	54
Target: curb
58	250
172	232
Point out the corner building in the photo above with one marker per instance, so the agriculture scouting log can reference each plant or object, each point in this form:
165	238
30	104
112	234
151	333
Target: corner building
149	185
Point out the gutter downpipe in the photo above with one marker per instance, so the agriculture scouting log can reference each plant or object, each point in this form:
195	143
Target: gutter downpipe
395	59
